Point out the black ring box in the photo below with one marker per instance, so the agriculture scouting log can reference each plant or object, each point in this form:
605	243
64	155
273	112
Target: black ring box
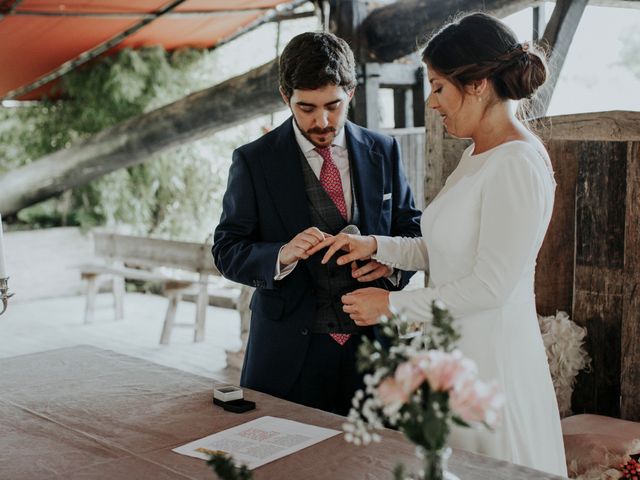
236	406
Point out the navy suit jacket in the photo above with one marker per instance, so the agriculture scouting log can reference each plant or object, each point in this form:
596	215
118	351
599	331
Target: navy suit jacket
264	207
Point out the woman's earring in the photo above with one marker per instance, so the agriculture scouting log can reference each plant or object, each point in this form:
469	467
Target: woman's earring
479	98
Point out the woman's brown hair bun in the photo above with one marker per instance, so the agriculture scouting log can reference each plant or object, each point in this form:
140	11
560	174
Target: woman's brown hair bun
477	46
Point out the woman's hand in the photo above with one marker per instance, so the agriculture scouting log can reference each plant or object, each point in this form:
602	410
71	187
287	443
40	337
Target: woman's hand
359	247
370	271
366	305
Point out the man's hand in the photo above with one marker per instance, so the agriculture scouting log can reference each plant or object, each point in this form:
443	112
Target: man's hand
359	247
366	305
297	248
370	271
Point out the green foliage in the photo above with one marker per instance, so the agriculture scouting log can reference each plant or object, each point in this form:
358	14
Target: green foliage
225	468
173	194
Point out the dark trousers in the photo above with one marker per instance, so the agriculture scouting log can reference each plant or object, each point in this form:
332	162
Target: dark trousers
329	376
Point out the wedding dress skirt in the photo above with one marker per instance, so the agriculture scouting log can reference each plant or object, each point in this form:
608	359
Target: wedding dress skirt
481	236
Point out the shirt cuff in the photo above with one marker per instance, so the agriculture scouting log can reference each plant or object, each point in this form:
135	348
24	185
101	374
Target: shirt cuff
395	277
280	274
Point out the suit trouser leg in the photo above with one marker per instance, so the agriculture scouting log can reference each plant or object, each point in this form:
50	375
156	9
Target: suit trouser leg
328	378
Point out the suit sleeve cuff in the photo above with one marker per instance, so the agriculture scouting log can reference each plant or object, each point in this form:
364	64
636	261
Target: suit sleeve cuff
282	273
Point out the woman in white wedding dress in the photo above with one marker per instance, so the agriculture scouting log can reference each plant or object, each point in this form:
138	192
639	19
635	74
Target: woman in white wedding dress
481	236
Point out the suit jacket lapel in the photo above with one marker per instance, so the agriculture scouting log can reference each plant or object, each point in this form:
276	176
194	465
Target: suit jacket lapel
283	174
366	176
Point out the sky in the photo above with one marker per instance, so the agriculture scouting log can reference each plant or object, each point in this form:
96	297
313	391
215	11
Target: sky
593	78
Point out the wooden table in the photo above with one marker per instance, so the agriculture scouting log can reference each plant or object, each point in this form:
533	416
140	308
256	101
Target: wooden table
87	413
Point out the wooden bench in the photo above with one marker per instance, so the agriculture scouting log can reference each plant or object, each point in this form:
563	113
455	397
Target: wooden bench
179	266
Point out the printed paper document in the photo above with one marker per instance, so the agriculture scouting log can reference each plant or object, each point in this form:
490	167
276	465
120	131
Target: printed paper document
259	441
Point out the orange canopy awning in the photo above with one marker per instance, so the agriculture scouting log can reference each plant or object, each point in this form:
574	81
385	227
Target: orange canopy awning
37	37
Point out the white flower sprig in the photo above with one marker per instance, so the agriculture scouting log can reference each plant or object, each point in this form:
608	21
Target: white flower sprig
419	384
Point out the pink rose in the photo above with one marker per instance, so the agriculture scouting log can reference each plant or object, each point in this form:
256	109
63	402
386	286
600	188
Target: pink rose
409	377
446	370
475	401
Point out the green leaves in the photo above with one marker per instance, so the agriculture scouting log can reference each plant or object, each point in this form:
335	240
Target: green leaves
225	468
176	193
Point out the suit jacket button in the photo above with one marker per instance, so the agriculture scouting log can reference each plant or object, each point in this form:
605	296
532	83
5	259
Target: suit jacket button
304	331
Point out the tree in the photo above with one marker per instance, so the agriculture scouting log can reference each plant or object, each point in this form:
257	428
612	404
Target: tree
174	193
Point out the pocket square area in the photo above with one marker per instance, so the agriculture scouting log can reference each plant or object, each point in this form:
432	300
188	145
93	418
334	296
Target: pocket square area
386	196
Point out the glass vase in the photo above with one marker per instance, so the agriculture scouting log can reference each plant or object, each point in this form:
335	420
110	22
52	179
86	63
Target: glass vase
434	464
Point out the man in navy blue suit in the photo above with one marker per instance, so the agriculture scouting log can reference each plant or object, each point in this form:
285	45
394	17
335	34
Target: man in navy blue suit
314	175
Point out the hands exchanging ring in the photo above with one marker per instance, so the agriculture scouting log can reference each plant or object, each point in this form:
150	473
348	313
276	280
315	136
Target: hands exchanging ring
364	306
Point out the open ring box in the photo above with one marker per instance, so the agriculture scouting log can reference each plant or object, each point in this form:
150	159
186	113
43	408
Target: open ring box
226	393
231	398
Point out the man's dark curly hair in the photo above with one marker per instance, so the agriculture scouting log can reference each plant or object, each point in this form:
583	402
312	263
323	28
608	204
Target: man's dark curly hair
314	60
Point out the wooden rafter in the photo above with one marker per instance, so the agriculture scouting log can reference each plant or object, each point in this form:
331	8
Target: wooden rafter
557	37
398	29
137	139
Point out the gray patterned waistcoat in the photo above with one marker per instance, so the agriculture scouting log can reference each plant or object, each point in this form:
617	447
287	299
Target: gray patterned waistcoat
331	281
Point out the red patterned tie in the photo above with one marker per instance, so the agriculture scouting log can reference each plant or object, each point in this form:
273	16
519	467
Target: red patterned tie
330	181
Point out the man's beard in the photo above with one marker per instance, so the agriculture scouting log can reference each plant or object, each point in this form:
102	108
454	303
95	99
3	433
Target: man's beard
333	131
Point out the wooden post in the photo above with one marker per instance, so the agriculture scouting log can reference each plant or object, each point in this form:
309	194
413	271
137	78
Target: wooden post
598	278
539	21
630	329
365	110
555	266
170	316
346	16
434	157
418	91
202	301
92	291
402	107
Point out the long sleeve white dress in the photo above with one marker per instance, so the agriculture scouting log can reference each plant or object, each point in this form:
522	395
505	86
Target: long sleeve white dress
481	236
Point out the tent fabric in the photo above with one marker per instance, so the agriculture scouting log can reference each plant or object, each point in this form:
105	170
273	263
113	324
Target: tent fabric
33	42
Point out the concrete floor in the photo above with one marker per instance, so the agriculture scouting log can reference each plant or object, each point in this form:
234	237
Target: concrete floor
38	325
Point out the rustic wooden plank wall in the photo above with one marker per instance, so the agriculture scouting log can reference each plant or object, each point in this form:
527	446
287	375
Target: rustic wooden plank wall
589	264
411	142
630	368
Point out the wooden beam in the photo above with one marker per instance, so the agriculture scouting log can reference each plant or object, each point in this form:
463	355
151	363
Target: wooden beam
615	125
398	29
557	37
137	139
